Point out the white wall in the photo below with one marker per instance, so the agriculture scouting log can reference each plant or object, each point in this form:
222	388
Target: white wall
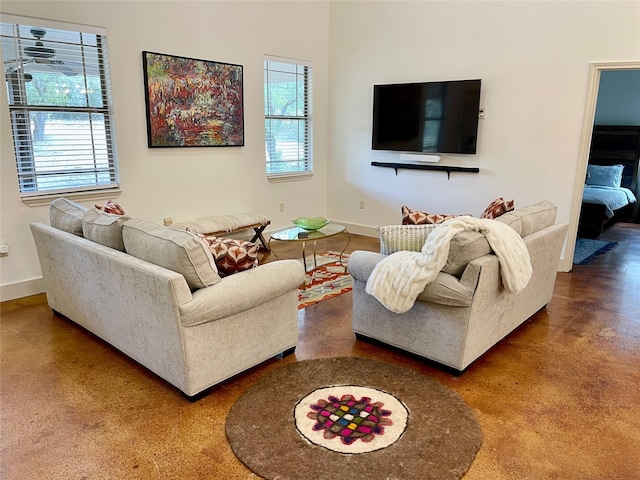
189	182
533	59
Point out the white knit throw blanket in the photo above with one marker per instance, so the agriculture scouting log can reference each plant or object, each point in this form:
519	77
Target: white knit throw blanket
398	279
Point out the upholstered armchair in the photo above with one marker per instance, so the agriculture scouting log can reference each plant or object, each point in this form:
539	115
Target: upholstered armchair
466	309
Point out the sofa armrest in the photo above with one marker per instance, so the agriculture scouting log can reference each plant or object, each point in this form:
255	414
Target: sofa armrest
361	264
471	273
242	291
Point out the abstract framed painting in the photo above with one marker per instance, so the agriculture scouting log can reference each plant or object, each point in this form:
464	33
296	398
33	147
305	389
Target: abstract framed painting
192	102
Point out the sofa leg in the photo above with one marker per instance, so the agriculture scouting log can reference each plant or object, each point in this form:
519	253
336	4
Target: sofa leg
287	352
197	396
446	368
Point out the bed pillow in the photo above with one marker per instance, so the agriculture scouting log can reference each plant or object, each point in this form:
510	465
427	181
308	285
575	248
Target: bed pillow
394	238
605	175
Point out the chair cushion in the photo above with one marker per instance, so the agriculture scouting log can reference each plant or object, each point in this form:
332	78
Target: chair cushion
104	228
171	248
66	215
447	290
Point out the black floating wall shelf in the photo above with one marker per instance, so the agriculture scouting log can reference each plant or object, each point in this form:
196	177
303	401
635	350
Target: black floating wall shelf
413	166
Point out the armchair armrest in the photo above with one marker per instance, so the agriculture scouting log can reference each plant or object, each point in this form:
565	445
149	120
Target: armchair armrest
362	263
241	291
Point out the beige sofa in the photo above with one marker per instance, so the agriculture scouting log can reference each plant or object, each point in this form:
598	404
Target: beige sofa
466	310
154	294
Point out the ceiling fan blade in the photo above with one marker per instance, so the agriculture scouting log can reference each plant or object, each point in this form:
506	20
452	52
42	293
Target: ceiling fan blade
61	67
11	70
19	64
57	65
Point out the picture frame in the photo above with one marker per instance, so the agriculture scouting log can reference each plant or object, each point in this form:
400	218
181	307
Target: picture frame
192	102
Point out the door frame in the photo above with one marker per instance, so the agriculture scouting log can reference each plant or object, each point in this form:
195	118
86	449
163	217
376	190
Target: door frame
595	70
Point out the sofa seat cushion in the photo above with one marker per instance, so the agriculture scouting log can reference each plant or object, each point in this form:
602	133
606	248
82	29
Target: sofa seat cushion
447	290
171	248
104	228
67	215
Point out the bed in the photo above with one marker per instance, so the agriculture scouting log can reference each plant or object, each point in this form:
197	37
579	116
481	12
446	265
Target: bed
610	187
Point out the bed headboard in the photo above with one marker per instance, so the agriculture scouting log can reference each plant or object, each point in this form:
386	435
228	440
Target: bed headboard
617	145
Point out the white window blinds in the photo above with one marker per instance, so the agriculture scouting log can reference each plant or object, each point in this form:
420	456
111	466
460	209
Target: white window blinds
288	116
58	87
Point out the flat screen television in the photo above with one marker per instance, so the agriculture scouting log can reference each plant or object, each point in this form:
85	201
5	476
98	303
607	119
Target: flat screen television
429	117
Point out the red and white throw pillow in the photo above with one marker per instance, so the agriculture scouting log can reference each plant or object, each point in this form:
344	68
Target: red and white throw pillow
411	217
112	208
231	255
498	207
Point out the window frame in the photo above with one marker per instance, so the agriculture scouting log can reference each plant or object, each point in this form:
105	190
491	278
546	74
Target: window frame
20	110
306	118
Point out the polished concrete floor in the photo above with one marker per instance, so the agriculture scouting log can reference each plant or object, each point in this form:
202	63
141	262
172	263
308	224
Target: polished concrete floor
557	399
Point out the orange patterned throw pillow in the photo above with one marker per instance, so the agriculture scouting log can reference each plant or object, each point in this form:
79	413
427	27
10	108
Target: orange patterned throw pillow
410	217
231	255
112	208
498	207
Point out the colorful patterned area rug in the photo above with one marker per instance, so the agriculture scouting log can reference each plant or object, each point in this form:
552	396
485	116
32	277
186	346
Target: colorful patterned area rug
352	418
326	281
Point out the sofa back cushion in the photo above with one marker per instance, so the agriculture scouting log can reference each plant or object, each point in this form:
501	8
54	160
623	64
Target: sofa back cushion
532	218
467	246
66	215
104	228
464	247
171	248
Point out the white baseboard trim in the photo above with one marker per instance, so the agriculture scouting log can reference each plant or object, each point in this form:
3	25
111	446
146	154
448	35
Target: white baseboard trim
17	290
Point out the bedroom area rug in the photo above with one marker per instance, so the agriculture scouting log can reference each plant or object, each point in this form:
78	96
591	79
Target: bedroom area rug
352	418
587	250
327	281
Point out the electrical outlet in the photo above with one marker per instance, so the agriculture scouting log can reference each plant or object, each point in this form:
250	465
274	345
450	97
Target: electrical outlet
4	249
362	204
282	206
168	221
482	113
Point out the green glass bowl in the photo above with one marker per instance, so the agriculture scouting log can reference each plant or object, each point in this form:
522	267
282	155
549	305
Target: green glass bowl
307	223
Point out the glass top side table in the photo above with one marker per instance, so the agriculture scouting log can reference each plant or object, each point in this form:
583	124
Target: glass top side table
297	234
